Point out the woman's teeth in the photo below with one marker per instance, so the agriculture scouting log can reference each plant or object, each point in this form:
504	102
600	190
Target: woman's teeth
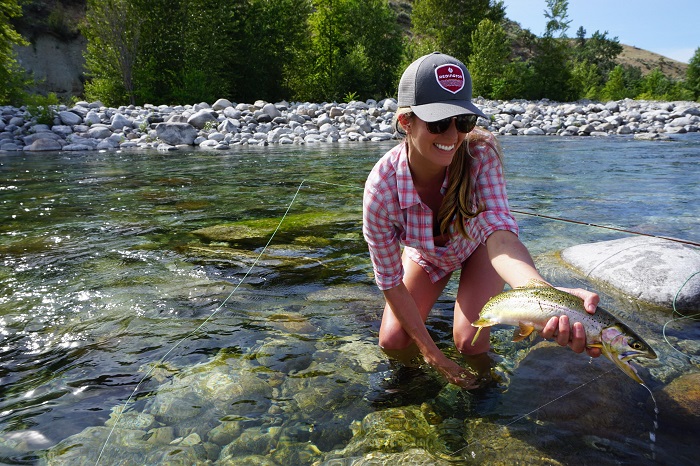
442	147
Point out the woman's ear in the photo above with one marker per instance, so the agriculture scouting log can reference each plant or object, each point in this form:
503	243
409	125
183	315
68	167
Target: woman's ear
405	121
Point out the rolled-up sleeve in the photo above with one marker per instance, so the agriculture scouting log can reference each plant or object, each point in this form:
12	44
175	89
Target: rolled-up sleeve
490	195
382	239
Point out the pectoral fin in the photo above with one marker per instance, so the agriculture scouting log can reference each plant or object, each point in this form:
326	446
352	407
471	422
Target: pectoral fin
522	332
481	323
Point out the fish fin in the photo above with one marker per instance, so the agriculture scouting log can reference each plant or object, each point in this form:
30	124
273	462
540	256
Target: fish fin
522	332
534	283
478	331
481	323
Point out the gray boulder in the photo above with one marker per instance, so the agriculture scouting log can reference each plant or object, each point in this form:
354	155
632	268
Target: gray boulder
176	133
202	117
70	118
653	270
44	144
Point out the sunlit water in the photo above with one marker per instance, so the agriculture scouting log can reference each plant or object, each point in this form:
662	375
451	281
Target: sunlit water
105	286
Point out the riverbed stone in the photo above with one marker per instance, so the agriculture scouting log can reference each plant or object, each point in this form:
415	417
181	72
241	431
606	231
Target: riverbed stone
176	133
653	270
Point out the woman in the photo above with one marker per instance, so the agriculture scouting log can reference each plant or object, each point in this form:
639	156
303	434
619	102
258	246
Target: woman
441	194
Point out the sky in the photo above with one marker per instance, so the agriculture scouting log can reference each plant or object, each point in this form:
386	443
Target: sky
668	27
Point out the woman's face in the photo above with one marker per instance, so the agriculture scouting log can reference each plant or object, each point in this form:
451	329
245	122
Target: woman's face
431	150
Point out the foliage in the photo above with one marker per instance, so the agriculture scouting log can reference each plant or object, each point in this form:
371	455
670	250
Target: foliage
449	22
339	57
490	51
42	108
693	75
556	18
184	51
12	80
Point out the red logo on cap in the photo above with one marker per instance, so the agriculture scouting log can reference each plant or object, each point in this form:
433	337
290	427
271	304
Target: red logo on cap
450	77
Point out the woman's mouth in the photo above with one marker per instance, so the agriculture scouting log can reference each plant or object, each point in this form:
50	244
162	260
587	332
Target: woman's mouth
444	147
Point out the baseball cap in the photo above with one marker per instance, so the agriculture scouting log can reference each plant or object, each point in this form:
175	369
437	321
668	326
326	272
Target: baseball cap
437	86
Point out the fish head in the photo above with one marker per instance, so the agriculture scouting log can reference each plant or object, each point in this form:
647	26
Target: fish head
620	345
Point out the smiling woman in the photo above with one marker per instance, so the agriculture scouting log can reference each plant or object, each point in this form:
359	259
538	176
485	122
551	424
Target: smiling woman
441	195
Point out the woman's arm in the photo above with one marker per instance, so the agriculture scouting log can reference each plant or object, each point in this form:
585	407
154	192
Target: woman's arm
513	263
404	308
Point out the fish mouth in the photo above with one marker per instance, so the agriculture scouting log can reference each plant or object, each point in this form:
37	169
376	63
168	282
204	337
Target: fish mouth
623	360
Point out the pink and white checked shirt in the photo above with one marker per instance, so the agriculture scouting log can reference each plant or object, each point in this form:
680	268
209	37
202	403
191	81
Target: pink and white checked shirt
393	215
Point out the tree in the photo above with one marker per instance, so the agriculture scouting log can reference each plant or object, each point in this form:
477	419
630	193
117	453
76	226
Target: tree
551	61
341	58
12	80
692	76
598	50
449	23
113	29
557	18
490	51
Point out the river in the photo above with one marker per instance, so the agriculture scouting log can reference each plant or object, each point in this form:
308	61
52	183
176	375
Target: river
261	349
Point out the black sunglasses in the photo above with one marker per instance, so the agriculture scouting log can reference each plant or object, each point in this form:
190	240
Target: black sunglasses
463	123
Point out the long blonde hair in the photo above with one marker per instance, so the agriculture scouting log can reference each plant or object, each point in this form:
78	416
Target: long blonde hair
459	203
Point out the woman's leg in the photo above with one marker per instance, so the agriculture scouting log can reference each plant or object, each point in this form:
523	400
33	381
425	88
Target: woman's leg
477	284
393	340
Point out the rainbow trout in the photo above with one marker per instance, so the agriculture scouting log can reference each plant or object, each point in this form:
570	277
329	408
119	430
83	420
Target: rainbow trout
531	306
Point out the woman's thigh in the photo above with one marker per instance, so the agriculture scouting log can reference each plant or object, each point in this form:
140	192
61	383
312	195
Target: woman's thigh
424	292
477	284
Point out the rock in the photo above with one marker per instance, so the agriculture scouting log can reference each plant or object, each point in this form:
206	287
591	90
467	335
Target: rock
70	118
176	133
43	145
119	121
534	132
222	104
683	395
99	132
202	117
653	270
271	110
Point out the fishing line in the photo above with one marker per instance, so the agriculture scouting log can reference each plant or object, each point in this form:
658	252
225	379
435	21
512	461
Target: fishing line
523	416
675	311
264	249
604	227
189	335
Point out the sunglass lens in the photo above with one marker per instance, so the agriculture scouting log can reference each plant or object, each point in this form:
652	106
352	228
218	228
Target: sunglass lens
463	123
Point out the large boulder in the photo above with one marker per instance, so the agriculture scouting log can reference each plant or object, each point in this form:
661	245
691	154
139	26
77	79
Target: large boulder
176	133
653	270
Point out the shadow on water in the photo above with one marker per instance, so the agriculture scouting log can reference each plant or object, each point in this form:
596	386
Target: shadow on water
117	274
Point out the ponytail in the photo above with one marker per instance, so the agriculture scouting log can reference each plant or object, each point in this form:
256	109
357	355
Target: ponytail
459	204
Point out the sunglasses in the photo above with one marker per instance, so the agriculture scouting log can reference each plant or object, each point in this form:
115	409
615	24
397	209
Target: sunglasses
463	123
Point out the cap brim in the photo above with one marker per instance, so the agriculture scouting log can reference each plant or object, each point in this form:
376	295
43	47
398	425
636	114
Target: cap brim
440	110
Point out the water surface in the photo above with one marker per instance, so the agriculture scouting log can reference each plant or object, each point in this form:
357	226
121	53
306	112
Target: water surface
102	278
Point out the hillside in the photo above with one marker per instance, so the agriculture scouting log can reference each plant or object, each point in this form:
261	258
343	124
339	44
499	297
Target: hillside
56	51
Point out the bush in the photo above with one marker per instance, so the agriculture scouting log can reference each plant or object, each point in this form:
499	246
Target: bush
42	108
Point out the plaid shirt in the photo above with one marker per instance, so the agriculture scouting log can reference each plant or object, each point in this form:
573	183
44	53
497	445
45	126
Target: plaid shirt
393	215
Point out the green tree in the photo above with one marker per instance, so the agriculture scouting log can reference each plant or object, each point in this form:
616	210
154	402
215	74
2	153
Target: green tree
448	24
615	88
557	18
341	58
586	80
112	28
551	61
692	76
598	50
12	79
490	51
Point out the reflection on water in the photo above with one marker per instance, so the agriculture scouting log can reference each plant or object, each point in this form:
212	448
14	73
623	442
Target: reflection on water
109	267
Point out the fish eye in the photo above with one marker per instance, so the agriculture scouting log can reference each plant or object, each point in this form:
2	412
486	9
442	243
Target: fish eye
636	345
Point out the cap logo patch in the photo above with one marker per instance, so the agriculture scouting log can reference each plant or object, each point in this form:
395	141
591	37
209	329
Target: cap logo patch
450	77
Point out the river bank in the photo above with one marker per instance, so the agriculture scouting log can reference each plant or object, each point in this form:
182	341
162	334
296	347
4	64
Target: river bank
218	126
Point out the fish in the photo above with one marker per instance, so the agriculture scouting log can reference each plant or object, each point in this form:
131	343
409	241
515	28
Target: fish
531	306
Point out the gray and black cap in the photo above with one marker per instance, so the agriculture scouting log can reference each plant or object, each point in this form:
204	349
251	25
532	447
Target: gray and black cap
437	86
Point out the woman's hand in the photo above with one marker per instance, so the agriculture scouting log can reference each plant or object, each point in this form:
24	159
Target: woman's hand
574	336
455	374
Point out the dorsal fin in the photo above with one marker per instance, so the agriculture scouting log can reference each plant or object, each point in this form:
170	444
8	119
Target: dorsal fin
534	283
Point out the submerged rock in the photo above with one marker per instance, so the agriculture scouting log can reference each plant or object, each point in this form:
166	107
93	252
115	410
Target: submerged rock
652	270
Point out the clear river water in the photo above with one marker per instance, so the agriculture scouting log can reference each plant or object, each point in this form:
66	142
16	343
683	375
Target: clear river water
149	316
